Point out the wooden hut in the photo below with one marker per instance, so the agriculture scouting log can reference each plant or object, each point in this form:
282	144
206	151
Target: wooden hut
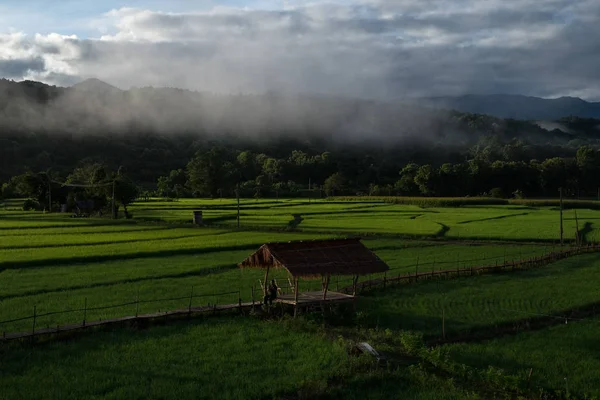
316	259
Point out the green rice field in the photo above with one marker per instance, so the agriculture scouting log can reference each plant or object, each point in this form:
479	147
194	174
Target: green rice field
487	300
60	266
157	260
507	222
563	357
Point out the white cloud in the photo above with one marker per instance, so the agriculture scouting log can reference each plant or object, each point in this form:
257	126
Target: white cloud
371	48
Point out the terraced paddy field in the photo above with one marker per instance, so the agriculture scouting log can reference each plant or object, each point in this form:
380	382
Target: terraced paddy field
51	262
507	222
62	262
470	305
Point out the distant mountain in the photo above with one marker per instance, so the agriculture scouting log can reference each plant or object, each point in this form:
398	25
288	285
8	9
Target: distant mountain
96	107
517	106
94	85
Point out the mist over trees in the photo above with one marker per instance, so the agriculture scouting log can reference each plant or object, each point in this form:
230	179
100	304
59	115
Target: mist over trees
177	143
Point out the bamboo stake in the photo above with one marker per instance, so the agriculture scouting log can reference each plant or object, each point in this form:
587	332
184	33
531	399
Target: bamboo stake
444	323
417	270
561	216
266	283
84	310
326	287
34	317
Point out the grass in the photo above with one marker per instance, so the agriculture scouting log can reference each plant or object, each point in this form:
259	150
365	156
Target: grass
525	220
212	358
561	356
237	358
482	302
53	262
427	201
471	201
58	267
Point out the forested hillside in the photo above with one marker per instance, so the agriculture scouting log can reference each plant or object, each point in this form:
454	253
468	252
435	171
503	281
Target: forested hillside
207	144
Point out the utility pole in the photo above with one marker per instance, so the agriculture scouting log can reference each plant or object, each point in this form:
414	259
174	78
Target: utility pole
577	238
561	216
49	195
237	192
114	213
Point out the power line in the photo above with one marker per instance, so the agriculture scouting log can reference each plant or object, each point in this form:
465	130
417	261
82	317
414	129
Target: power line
84	186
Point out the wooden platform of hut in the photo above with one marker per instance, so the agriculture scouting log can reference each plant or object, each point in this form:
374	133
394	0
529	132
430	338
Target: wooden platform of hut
316	259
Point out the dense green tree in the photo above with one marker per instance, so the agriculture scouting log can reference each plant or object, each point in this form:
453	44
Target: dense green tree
426	179
335	184
206	172
125	191
406	186
174	185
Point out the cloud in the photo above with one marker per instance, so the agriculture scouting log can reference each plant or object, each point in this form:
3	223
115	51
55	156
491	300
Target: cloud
368	48
21	67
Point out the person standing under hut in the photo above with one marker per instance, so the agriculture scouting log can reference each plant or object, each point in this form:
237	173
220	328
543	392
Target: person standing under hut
272	291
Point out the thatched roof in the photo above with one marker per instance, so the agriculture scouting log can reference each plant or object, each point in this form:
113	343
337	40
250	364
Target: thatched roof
317	257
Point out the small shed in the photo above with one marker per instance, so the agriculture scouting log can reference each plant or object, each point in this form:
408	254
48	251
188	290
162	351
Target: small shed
316	259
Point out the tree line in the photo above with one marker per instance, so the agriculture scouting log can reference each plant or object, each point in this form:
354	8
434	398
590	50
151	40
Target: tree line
89	188
223	172
219	172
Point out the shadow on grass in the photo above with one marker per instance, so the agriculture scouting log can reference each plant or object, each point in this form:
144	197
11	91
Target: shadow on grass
442	232
75	223
115	257
91	244
201	272
141	229
492	218
293	224
586	230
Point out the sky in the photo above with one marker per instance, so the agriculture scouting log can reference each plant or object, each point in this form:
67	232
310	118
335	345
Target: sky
384	49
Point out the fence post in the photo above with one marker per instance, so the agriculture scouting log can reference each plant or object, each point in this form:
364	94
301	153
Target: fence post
34	317
417	270
240	300
190	303
444	323
84	310
137	302
384	279
458	265
252	297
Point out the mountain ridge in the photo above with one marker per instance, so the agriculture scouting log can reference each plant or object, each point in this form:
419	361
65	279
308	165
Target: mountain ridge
515	106
505	106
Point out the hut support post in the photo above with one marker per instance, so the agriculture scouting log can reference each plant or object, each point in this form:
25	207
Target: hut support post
266	282
296	296
354	284
326	287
